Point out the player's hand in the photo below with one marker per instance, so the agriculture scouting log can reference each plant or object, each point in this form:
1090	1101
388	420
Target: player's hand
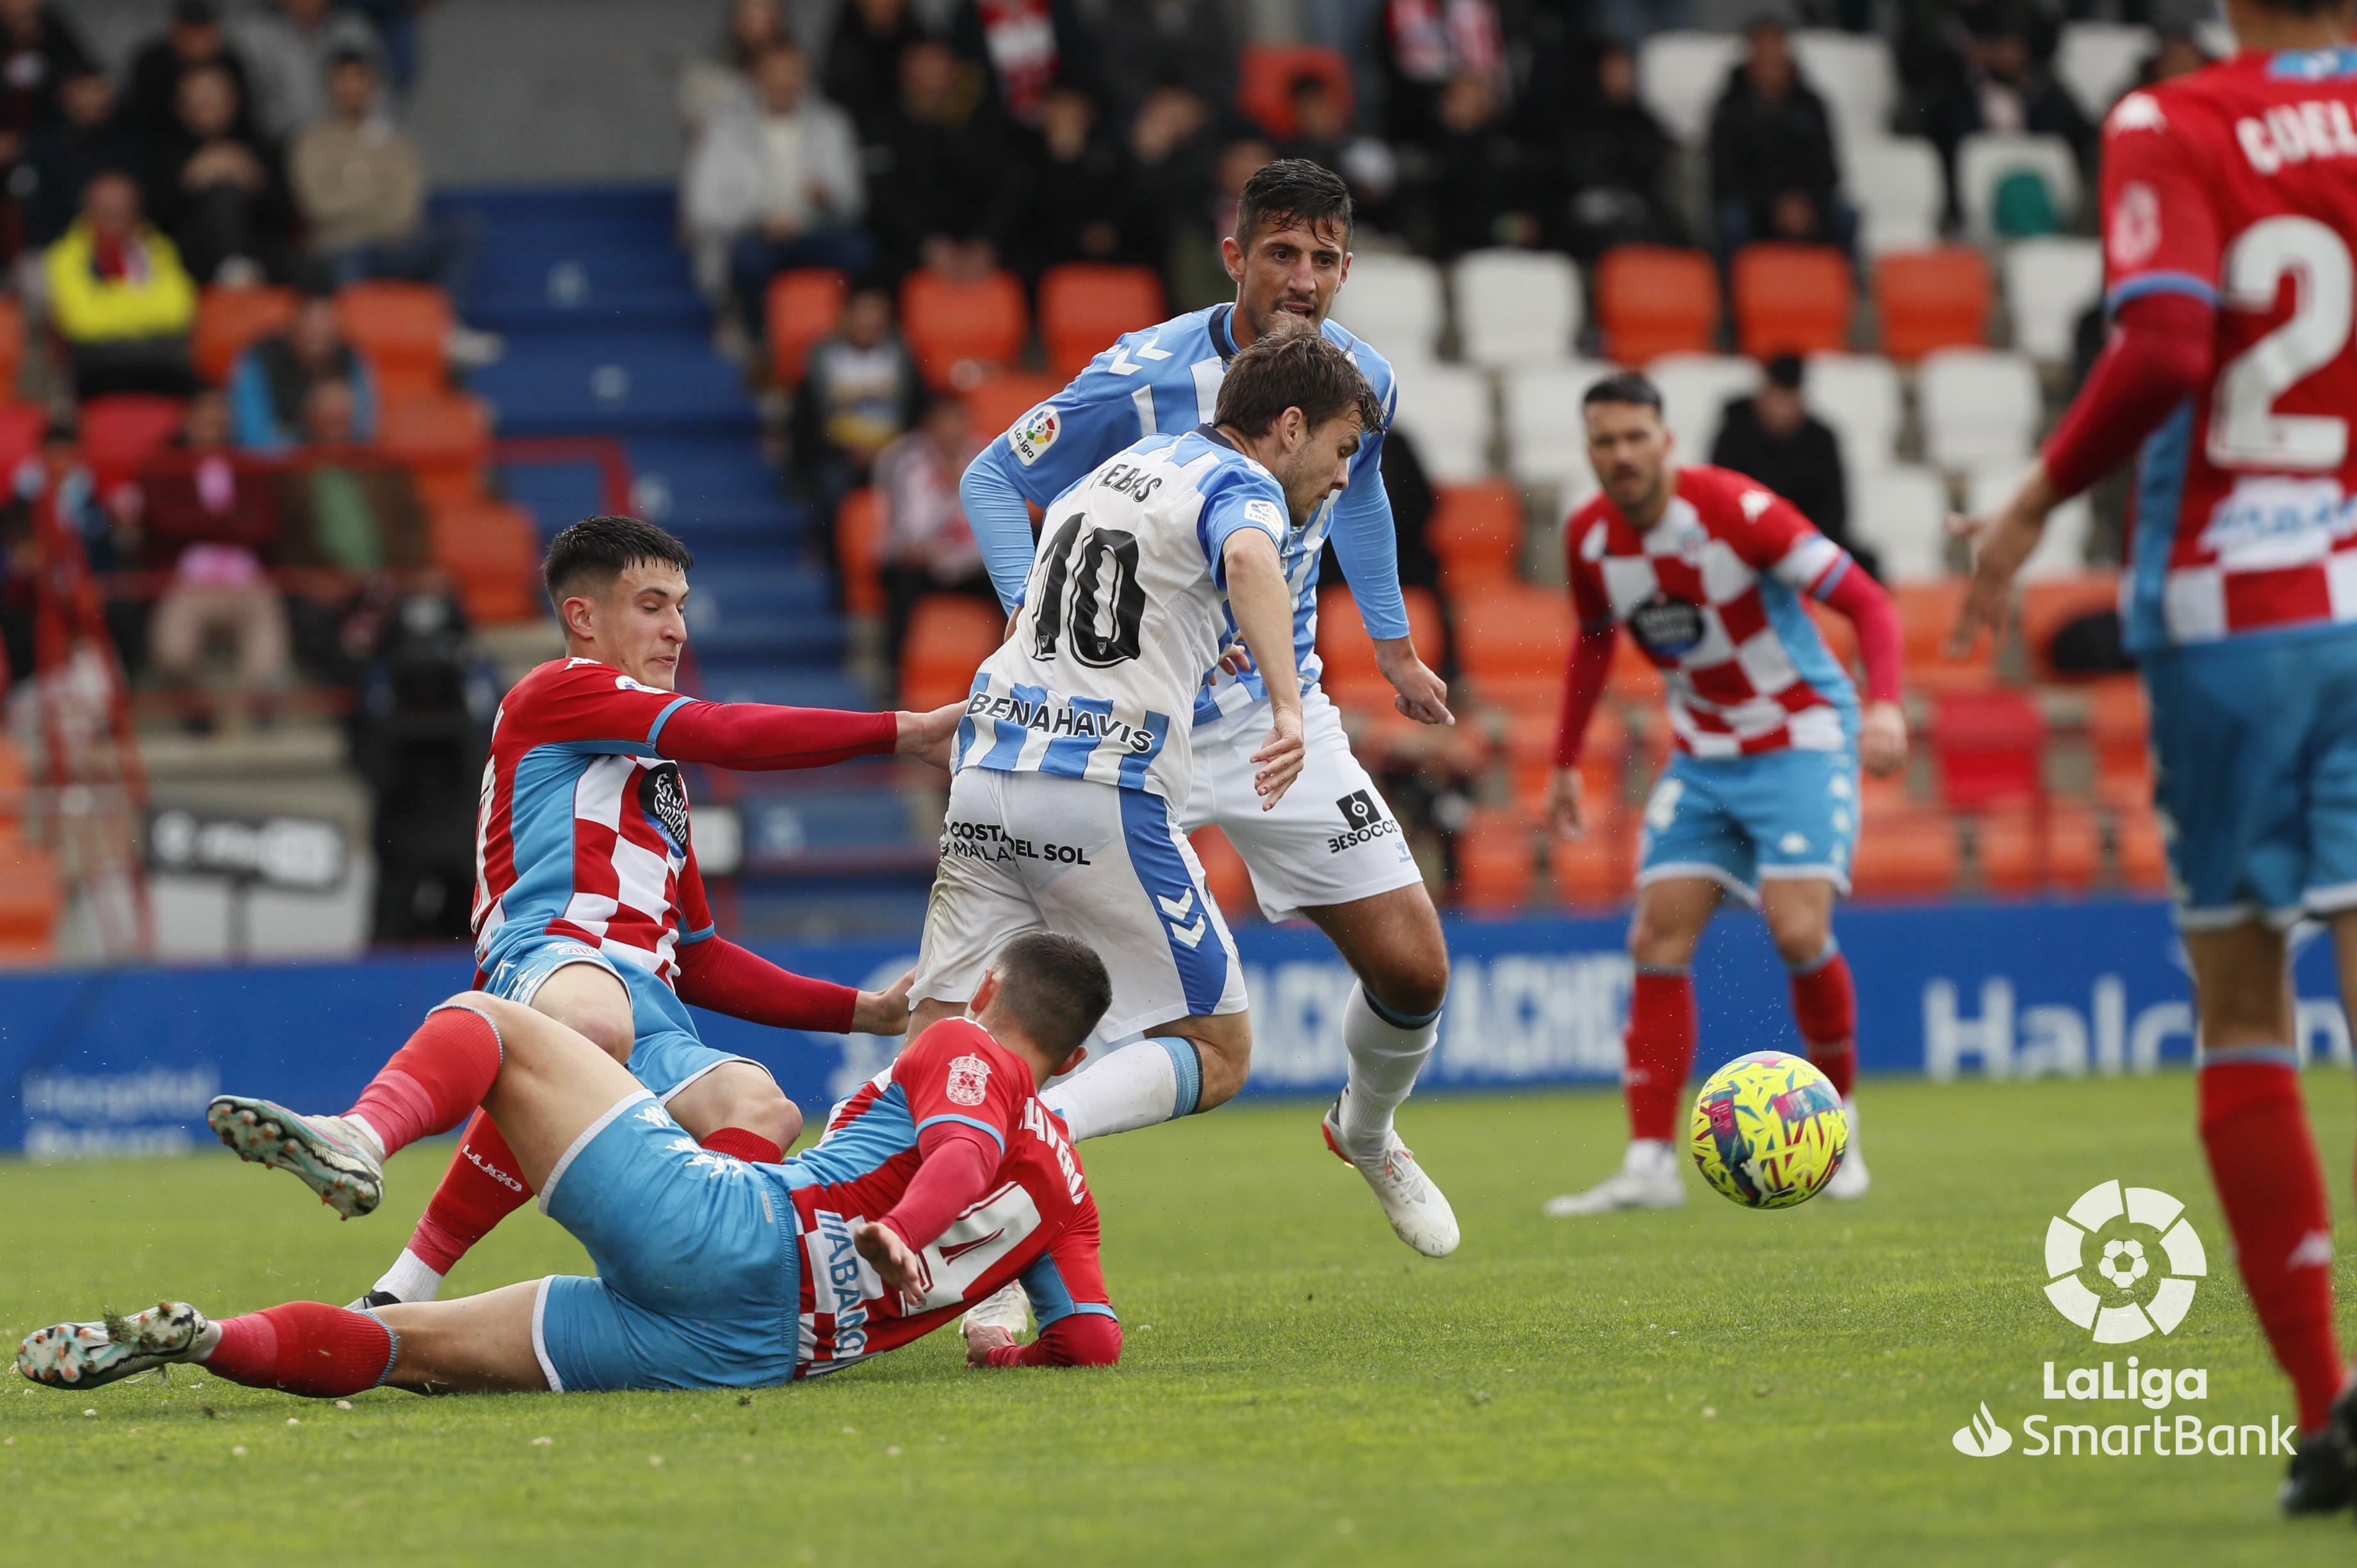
2002	541
1280	759
884	1012
894	1261
928	736
1421	695
981	1339
1236	660
1882	738
1563	803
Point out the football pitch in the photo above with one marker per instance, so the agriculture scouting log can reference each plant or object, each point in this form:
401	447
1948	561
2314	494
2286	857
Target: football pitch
1710	1386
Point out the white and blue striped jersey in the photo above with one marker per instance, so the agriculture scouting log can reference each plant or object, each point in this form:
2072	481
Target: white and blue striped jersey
1167	378
1124	610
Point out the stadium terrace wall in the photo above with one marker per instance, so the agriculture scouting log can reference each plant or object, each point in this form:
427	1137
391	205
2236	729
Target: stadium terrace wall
122	1061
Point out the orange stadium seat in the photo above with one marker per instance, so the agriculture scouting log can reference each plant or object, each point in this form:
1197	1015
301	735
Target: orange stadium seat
1084	307
443	438
14	783
22	426
2119	732
1654	300
1225	874
860	552
2016	851
1633	677
401	329
228	319
802	307
1938	298
31	900
12	346
1906	853
1599	867
1497	861
2143	857
1269	71
1477	531
1792	300
490	551
121	431
956	327
949	636
1990	745
2047	606
1927	610
1510	644
1351	677
995	403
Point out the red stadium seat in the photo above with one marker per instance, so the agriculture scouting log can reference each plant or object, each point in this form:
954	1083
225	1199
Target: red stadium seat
443	438
802	307
1654	300
492	553
1511	641
228	319
2022	850
32	899
403	330
860	552
1792	300
1497	861
2047	606
1084	306
1938	298
1598	869
22	426
949	636
1991	748
1927	611
1225	873
2143	856
121	432
1906	853
12	346
1351	677
959	328
2119	732
1477	531
1267	73
995	403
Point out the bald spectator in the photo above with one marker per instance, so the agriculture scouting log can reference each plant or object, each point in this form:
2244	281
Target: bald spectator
193	39
220	189
119	297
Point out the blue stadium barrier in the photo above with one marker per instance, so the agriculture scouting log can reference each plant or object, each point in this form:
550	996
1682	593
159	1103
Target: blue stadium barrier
122	1061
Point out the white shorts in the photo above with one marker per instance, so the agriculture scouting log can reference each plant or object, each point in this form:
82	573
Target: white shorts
1029	852
1331	841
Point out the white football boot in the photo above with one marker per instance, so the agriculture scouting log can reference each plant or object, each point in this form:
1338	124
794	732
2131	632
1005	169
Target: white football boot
1649	1177
86	1355
1008	1307
1851	1180
1418	1211
340	1161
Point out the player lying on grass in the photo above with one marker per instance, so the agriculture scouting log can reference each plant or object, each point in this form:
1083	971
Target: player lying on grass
937	1184
1708	570
588	904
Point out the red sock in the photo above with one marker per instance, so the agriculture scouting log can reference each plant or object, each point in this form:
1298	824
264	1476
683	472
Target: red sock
305	1348
1825	1004
482	1186
434	1080
1661	1051
745	1145
2261	1155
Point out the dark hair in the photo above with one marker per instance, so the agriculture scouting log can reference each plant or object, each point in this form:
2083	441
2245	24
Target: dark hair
2300	7
1054	989
1785	371
1294	368
604	547
1290	191
351	54
1624	386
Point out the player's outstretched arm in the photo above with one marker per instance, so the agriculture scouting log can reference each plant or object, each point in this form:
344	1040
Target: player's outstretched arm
1262	601
756	737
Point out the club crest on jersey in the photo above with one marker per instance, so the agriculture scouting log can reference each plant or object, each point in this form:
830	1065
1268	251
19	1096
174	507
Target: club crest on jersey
1034	433
969	1079
663	796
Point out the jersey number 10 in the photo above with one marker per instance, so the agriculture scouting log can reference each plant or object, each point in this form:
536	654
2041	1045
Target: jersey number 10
2244	429
1104	591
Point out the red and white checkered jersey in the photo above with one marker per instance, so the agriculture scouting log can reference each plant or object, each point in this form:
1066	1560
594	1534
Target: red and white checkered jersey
2237	184
1711	592
583	829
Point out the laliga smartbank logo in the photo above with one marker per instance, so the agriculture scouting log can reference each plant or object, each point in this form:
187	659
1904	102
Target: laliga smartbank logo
2122	1264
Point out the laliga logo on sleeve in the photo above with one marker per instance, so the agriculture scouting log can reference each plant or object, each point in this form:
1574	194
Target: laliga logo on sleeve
2172	1260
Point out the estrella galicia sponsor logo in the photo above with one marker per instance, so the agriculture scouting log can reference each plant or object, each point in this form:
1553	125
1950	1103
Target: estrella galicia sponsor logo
1665	627
663	796
1363	821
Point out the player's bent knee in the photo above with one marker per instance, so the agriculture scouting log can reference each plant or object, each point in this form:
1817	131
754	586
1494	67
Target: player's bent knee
1223	1047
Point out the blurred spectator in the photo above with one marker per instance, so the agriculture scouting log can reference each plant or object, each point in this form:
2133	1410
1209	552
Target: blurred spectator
1476	192
1187	44
39	53
57	469
1172	147
860	390
220	188
287	47
1197	272
344	509
928	548
1772	169
192	40
1078	192
206	515
1773	437
2000	83
2178	53
937	184
1428	44
120	299
1030	45
395	22
62	157
426	702
272	381
1615	163
722	82
863	62
776	186
1321	134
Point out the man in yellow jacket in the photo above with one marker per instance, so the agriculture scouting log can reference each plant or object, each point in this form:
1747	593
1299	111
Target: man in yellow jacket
120	298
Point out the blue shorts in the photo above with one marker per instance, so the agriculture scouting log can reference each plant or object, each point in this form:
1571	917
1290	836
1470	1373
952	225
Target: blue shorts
698	1285
1782	814
2255	753
665	1054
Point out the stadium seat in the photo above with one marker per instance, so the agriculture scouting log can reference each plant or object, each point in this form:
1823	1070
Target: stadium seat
2049	604
491	552
949	636
12	346
1910	854
230	318
803	308
22	426
121	431
1393	302
1859	396
1901	191
444	438
1528	740
1792	300
2061	550
1546	432
1265	75
994	404
1979	407
1854	73
1351	677
2119	729
2024	850
1084	306
1599	868
15	784
1497	861
1633	677
1927	611
1987	158
957	328
1991	747
2097	62
1445	410
1225	873
1511	639
2050	284
1931	299
1695	390
1477	531
1654	300
403	330
1679	76
2143	854
860	552
32	900
1516	308
1901	512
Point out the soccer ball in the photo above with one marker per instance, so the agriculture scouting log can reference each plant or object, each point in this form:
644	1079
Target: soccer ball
1768	1131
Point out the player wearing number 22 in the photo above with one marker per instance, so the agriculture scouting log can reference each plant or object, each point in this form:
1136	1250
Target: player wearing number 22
2230	209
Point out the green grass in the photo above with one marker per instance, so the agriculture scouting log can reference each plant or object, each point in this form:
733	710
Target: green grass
1705	1387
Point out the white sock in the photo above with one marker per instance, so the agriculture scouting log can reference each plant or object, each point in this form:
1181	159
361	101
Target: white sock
409	1279
1385	1057
362	1124
1849	1110
1146	1081
1650	1156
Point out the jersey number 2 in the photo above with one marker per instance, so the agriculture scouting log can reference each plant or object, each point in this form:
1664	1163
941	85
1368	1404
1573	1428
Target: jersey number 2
2244	429
1108	601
